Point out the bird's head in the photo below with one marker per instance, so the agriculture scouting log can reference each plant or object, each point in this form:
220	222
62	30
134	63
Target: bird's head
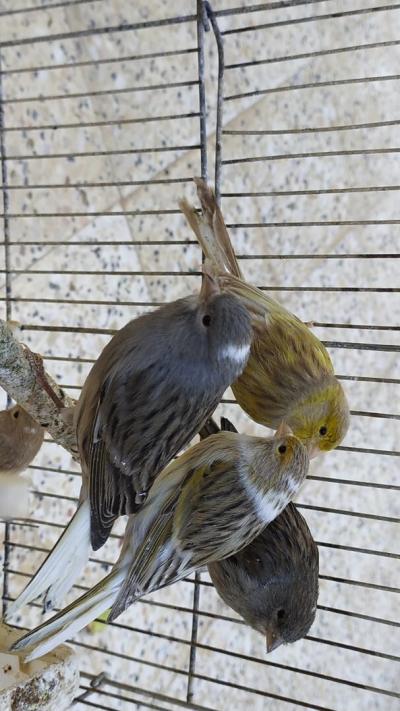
321	419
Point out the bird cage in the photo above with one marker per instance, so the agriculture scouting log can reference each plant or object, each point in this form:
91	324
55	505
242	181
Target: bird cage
108	108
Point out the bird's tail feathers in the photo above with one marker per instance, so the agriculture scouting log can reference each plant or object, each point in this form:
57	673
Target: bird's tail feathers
210	427
73	618
204	235
62	566
215	224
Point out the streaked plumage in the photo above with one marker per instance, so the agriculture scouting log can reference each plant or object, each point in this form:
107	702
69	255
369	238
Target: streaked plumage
289	375
208	504
147	395
273	582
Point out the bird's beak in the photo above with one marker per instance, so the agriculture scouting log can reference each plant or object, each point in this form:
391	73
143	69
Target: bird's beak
209	287
313	449
273	641
283	431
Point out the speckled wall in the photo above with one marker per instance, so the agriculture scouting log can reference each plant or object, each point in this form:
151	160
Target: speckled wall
90	159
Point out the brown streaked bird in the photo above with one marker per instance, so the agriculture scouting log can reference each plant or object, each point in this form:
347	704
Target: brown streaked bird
20	439
289	375
147	395
205	506
273	582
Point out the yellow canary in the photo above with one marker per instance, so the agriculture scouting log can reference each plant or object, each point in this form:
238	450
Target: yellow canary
289	375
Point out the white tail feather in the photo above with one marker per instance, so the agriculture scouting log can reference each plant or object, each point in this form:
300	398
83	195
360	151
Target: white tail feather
62	566
66	623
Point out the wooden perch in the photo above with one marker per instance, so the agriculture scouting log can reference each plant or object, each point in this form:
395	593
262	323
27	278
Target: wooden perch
20	380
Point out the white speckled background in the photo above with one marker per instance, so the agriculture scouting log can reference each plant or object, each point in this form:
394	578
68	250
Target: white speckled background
112	95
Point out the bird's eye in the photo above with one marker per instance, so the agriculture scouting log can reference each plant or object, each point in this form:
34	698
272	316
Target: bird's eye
280	614
16	414
206	320
323	430
282	448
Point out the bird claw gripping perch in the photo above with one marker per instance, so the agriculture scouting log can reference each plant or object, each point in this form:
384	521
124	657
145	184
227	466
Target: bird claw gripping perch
36	361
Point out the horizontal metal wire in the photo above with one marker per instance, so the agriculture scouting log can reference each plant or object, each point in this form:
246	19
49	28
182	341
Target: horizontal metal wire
323	544
314	223
49	6
317	191
124	27
106	563
120	697
311	507
388	348
173	243
311	55
236	655
91	124
312	154
86	154
308	129
101	184
312	85
313	18
101	92
169	272
93	31
150	694
227	11
276	665
96	62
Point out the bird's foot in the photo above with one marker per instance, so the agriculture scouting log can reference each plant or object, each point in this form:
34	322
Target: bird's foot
36	362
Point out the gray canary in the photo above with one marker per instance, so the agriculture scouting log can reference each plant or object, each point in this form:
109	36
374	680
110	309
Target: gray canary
205	506
154	384
289	375
273	582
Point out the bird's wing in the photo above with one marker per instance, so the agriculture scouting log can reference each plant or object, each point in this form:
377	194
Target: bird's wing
270	315
209	513
127	426
184	526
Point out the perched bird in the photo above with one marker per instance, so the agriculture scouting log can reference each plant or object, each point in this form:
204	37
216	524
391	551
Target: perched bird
205	506
20	439
147	395
289	375
273	582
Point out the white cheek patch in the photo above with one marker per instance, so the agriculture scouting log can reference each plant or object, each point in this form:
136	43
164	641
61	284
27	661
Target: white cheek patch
239	354
268	505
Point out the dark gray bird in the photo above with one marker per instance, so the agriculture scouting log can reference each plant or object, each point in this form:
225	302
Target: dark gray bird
273	582
147	395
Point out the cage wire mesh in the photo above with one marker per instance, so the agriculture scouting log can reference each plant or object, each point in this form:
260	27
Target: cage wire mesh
102	128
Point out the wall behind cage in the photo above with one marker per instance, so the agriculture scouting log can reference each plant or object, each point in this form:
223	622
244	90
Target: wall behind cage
100	138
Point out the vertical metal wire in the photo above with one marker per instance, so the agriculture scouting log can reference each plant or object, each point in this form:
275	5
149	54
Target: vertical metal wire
201	26
8	296
220	100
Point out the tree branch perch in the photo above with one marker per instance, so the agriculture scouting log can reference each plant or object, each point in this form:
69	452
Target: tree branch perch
19	379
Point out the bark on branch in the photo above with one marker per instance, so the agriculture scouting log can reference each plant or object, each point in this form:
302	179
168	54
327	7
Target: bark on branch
20	380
